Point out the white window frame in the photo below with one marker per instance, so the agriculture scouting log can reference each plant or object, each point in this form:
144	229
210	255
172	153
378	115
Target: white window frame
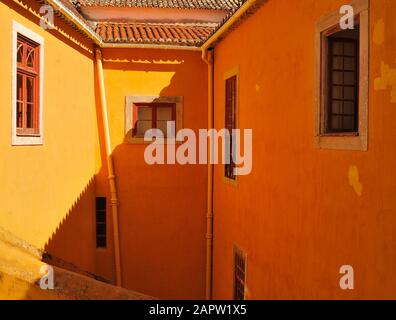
17	140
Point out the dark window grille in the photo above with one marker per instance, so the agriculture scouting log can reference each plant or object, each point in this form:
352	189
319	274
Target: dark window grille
239	274
342	87
101	222
230	123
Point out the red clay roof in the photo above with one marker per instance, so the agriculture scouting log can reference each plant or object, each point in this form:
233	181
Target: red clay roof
182	4
152	33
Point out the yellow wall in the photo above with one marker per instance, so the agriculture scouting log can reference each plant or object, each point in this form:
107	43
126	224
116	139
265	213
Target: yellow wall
40	184
299	215
162	207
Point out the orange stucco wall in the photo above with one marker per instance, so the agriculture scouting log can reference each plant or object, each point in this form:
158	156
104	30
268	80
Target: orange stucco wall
162	207
46	192
297	215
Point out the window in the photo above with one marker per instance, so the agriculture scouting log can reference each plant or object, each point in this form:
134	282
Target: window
100	222
27	95
27	86
342	81
230	122
152	115
146	112
239	274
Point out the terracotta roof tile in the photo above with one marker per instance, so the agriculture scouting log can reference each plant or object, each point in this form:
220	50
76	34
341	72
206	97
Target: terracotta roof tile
135	32
182	4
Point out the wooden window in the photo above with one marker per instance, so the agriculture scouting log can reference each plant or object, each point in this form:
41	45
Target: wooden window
152	115
100	222
147	112
342	81
27	87
239	274
230	122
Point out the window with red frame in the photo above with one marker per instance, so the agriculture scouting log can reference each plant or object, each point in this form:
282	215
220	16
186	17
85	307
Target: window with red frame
27	87
152	116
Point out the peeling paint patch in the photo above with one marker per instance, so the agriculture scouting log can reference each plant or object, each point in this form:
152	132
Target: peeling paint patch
379	32
387	79
354	181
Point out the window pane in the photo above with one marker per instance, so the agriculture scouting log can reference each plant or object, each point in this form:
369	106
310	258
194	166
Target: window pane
337	107
29	115
349	107
337	92
164	113
349	64
348	123
349	93
142	126
19	52
144	113
337	77
337	63
100	228
349	78
162	125
19	87
29	89
338	48
349	49
19	115
336	122
30	57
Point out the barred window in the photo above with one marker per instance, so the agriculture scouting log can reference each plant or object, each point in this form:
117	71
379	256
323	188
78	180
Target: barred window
100	222
239	274
230	122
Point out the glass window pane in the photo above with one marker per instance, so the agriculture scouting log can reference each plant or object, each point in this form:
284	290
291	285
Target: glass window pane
19	52
337	77
164	113
349	93
19	87
349	64
336	122
338	63
30	57
29	89
29	115
349	49
100	229
162	125
337	92
144	113
349	107
19	115
349	78
338	48
337	107
348	123
142	126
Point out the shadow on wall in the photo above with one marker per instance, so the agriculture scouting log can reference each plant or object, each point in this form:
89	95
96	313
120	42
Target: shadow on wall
162	207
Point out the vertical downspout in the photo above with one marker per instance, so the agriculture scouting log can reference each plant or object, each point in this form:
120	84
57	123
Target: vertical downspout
207	56
113	189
